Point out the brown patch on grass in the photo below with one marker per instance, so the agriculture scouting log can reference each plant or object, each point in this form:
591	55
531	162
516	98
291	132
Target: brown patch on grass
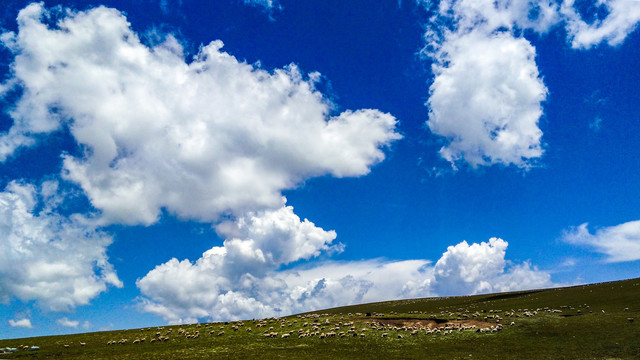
431	323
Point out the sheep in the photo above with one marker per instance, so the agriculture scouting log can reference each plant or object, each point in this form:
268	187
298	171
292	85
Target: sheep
82	344
385	334
285	336
66	346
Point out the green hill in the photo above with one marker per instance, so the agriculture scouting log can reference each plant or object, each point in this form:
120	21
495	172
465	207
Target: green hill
599	321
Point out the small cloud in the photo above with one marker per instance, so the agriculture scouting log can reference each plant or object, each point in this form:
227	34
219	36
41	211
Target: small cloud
569	262
622	19
267	4
620	243
22	323
68	323
596	98
595	124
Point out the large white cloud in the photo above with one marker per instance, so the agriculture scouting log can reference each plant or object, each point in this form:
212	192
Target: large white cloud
229	277
486	97
219	287
480	268
622	18
202	138
58	262
620	242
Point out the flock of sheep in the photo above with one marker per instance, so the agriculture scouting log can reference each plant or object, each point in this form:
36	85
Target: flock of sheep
325	326
322	327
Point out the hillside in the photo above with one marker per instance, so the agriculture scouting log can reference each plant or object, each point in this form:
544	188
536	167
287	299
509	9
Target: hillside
599	321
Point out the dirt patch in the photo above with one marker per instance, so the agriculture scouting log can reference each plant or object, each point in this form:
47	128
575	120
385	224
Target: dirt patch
432	323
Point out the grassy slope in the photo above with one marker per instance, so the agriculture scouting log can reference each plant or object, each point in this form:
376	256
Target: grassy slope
592	325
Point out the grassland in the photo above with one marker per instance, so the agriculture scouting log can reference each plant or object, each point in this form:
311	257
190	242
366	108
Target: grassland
600	321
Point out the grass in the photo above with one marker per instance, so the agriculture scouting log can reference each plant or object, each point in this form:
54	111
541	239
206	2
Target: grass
581	322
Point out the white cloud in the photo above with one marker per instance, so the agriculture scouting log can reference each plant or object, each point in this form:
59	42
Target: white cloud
200	139
620	242
181	291
256	245
622	18
480	268
595	124
491	15
68	323
23	323
486	99
267	4
58	262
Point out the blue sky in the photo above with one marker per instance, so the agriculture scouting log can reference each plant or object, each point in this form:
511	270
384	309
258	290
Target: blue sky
181	161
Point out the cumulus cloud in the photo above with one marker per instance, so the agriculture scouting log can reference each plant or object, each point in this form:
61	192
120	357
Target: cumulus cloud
181	291
256	245
56	261
68	323
622	17
480	268
619	243
209	137
486	99
486	96
23	323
